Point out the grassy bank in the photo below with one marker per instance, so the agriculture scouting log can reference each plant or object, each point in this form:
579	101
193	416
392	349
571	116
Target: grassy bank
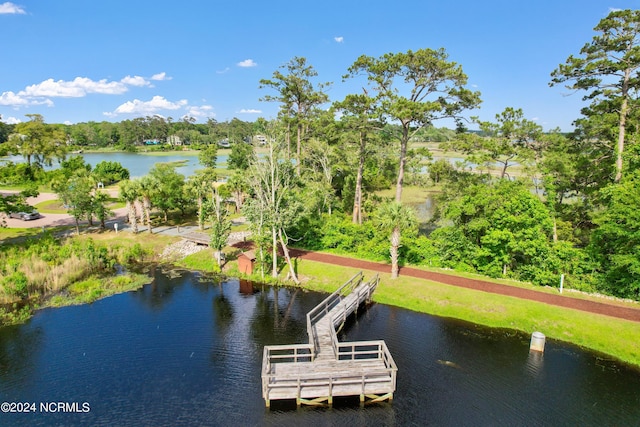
610	336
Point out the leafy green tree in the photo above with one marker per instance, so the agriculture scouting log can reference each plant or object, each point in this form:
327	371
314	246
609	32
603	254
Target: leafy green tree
5	131
360	120
238	187
169	191
220	228
275	206
209	156
511	138
440	170
394	218
77	194
109	172
319	160
199	186
37	141
100	207
74	165
241	156
415	89
608	71
298	96
510	228
615	244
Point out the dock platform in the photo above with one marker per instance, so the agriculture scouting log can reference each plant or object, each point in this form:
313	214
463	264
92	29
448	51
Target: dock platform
325	368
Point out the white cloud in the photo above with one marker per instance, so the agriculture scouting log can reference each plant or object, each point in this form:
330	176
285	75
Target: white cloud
339	39
8	8
10	98
157	103
535	119
249	111
200	111
11	121
247	63
223	71
161	76
135	81
78	87
22	100
40	93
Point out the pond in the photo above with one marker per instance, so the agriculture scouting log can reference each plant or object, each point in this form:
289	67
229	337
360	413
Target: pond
185	350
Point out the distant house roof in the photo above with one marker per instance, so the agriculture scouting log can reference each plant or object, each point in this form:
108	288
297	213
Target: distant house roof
251	255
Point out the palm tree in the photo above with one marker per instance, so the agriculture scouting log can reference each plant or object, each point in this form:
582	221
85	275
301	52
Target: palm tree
130	193
199	186
148	186
394	217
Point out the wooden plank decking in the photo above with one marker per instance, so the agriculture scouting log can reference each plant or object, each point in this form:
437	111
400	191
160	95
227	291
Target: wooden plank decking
314	373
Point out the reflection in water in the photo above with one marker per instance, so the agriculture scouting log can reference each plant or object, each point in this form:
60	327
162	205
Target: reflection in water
19	346
535	363
188	350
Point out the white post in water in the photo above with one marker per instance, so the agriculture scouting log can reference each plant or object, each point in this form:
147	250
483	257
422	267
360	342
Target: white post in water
537	342
561	282
115	227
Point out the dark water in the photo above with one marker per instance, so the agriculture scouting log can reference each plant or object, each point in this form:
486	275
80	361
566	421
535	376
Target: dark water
187	351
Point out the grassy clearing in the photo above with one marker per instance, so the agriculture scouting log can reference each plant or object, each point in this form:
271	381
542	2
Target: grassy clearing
202	261
603	334
7	234
410	194
56	206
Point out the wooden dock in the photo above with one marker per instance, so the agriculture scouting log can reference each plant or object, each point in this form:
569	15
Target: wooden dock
325	368
197	237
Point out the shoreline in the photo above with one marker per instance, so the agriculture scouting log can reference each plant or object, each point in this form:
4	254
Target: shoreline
597	332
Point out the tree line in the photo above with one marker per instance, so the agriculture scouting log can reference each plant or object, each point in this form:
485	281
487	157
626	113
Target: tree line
525	203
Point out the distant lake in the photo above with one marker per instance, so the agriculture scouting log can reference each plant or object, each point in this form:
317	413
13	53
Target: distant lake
139	164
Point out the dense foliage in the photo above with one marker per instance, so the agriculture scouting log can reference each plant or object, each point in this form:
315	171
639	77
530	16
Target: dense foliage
519	202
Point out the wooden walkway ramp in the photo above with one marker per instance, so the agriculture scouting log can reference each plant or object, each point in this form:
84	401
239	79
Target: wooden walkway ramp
317	372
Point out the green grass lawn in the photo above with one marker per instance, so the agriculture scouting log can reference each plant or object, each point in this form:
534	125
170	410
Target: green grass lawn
410	194
56	206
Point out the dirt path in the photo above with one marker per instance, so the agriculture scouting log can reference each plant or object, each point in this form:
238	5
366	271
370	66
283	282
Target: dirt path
480	285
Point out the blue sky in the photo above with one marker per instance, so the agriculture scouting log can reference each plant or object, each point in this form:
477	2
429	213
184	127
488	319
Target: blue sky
76	61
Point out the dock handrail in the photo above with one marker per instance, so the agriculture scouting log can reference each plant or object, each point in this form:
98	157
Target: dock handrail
344	352
329	303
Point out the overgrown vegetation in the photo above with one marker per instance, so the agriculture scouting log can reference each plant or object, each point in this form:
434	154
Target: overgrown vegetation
62	269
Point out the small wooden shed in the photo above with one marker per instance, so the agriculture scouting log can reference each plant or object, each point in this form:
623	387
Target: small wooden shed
246	262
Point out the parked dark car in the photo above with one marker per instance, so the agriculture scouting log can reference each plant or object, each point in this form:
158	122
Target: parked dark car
25	216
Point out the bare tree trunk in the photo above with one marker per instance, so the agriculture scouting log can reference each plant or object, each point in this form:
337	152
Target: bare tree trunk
298	148
292	271
395	244
622	124
200	214
357	201
146	206
274	252
403	160
131	214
